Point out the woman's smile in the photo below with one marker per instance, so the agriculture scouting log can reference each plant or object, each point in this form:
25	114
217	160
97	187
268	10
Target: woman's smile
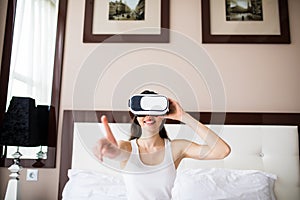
149	121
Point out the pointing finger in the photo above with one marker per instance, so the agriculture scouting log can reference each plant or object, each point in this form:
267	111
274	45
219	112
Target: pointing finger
109	134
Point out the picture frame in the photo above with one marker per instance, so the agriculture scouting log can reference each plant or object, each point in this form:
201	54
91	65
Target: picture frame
159	34
208	18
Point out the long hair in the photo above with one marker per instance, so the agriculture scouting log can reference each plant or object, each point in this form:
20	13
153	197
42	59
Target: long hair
136	130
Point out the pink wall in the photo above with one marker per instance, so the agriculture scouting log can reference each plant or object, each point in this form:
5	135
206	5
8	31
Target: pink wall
256	78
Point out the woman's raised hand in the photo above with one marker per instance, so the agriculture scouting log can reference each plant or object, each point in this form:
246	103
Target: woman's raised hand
175	111
107	146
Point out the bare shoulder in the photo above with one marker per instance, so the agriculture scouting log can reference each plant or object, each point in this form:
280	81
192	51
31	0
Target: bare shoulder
125	145
186	148
179	149
179	145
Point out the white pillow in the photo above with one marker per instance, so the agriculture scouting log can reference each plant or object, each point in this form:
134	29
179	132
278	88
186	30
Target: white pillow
211	184
90	185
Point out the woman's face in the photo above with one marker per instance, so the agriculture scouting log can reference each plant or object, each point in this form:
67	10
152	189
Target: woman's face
150	124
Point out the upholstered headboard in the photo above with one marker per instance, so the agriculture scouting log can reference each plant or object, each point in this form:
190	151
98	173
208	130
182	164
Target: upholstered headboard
262	141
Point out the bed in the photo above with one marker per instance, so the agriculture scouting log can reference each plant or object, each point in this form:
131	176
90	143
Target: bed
263	163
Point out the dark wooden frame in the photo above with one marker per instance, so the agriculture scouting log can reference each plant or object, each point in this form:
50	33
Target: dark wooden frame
72	116
50	162
283	38
90	37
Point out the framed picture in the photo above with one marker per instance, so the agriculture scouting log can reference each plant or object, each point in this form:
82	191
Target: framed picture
127	21
245	21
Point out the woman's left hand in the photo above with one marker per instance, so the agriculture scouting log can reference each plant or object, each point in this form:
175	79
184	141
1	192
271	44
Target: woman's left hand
175	111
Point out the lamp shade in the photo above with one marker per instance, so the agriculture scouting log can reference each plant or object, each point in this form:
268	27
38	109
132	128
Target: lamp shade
24	124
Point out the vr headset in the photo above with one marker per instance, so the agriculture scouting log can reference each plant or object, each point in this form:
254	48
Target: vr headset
148	104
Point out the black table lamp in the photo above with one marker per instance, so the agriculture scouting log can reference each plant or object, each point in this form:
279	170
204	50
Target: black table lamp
24	124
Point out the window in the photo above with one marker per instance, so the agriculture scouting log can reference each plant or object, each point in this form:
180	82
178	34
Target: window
32	59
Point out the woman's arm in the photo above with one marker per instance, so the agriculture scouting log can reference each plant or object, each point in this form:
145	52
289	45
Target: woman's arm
215	147
109	147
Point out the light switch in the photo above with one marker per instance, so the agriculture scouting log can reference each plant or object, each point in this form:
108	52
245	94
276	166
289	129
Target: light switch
32	175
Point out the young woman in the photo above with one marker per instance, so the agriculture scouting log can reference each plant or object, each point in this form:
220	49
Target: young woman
150	158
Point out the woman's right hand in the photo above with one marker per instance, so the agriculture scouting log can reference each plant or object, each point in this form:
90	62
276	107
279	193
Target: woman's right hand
107	146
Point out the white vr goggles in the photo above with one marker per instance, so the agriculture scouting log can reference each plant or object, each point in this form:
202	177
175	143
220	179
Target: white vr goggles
148	104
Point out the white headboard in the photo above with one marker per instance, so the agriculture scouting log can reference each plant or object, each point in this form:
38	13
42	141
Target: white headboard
270	148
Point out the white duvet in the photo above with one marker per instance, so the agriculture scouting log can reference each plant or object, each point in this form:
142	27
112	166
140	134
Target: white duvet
190	184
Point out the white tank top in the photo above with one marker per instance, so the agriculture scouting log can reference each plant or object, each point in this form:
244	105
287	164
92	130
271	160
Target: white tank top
149	181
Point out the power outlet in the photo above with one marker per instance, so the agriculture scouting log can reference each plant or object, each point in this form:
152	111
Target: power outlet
32	175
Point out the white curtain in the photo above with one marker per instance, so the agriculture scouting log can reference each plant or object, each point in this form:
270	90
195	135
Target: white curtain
32	59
